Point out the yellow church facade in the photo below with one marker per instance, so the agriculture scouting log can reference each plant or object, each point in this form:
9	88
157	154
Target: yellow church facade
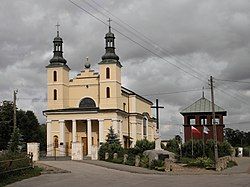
83	109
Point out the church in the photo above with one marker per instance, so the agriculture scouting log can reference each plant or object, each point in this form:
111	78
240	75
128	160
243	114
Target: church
82	109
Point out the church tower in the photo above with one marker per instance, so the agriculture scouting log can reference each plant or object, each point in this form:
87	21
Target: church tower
110	75
57	77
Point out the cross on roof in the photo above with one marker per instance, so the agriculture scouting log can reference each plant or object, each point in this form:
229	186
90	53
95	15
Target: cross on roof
109	20
57	28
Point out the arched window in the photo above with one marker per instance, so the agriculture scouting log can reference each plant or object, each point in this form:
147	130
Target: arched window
108	92
55	94
145	126
55	76
87	103
55	141
107	73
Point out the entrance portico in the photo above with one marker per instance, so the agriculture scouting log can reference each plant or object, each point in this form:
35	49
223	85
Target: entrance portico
89	132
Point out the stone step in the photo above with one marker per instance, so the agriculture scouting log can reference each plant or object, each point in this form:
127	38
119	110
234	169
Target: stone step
57	158
87	158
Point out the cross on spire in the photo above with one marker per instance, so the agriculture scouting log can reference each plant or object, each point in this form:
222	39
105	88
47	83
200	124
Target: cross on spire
203	95
109	20
57	28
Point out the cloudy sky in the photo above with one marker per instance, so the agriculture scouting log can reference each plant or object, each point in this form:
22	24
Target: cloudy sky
165	47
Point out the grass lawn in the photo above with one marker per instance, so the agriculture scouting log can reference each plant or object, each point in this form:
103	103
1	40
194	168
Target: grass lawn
19	175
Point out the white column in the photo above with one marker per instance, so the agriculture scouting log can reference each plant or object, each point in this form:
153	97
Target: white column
101	131
74	136
89	134
62	138
49	139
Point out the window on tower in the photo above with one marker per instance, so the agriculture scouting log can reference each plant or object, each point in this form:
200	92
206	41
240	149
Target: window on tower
107	73
108	92
55	94
55	76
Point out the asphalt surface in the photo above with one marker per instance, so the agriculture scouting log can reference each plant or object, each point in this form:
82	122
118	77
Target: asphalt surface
87	174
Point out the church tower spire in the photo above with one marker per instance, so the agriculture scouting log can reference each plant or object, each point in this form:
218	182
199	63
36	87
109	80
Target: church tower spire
110	57
58	59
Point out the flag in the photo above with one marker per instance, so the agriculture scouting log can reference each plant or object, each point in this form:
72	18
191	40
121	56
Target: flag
205	130
195	131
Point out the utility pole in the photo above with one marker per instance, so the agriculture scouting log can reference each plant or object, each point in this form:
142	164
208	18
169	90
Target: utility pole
213	122
14	109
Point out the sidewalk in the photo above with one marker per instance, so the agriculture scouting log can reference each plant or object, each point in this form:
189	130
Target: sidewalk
243	167
140	170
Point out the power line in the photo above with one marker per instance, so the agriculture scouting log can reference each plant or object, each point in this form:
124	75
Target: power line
149	41
77	99
237	81
145	48
137	43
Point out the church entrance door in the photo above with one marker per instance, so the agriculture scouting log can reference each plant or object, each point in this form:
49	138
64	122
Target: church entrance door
85	146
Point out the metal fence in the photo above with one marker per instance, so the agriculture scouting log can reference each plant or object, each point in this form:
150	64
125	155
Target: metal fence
16	164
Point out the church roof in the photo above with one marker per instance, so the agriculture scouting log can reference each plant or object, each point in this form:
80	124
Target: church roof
130	92
202	105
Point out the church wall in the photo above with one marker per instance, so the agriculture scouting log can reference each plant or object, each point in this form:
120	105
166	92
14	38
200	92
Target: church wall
77	93
125	126
61	85
115	72
151	131
124	99
107	123
139	130
84	85
115	95
142	107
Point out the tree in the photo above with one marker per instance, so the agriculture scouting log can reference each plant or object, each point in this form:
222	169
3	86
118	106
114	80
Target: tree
6	123
112	138
26	122
15	141
236	137
111	146
28	125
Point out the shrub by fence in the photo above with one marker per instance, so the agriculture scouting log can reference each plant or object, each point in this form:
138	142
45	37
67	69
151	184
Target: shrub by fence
10	163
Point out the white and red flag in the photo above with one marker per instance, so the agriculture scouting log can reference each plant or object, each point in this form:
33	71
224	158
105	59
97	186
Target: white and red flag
195	131
205	130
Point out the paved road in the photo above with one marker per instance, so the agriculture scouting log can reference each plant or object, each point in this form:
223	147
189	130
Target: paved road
83	174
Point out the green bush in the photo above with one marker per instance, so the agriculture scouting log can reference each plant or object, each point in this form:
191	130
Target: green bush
186	160
143	145
155	164
118	160
173	146
144	161
197	149
130	161
224	149
202	162
111	149
103	149
246	151
231	164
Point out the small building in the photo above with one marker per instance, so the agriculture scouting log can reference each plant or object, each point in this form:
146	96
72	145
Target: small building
199	115
82	109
